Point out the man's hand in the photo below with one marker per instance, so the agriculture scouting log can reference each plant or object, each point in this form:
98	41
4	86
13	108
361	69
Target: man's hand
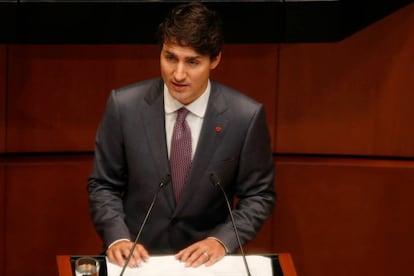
207	251
119	251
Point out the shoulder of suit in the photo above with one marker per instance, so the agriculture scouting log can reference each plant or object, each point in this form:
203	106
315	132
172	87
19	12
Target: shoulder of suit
142	89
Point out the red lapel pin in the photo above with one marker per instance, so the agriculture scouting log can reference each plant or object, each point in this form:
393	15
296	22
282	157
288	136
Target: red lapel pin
218	129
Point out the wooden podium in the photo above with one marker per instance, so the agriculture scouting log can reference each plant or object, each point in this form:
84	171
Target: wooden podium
284	259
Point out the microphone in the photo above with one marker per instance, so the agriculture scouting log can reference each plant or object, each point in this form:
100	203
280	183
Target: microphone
162	184
216	182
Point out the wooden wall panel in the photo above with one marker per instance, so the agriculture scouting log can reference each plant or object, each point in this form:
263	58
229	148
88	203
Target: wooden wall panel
2	148
252	69
57	93
2	216
263	243
47	213
346	217
351	97
3	86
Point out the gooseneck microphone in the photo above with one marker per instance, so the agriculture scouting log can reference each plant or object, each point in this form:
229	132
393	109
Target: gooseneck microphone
163	183
216	182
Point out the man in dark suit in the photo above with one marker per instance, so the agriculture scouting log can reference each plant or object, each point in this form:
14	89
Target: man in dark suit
229	141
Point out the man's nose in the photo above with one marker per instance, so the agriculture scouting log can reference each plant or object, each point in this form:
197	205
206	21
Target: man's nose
180	72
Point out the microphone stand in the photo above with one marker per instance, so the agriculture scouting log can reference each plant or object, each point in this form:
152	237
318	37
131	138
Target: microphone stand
216	183
162	184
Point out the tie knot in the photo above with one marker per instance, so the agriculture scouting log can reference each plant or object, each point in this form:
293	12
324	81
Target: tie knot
182	113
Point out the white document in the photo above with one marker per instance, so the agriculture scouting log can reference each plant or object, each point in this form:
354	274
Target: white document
168	265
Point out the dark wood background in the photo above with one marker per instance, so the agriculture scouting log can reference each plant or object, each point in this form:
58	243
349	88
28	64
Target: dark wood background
340	115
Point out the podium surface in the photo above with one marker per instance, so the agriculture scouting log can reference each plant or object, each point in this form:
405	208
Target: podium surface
283	259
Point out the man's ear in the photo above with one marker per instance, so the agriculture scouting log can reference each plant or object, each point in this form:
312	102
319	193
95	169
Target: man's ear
215	61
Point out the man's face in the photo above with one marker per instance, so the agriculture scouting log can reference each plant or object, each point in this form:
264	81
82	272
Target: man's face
185	72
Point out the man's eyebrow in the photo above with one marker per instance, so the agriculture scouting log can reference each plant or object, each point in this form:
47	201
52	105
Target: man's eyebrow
193	57
169	53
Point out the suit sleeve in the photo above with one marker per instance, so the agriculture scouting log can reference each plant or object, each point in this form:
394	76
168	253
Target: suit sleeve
108	180
254	188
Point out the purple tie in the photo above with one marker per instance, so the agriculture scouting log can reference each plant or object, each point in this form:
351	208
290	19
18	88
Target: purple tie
180	156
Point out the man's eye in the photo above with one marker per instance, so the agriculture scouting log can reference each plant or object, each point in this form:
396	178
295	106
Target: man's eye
171	58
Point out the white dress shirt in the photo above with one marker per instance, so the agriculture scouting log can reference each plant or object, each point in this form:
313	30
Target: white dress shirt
194	118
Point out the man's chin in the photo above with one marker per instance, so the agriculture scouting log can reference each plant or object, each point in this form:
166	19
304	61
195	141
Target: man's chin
180	96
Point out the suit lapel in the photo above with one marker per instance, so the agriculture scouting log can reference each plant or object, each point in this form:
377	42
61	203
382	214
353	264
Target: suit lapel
154	120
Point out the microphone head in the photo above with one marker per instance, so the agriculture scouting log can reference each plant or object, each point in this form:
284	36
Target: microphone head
165	180
214	179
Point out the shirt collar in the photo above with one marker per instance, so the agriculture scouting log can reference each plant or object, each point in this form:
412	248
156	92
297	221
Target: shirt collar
197	107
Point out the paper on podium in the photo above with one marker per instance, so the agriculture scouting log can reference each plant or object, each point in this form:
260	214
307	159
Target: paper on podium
230	265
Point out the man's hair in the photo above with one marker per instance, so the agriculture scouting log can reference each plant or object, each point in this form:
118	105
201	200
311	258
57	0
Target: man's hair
193	25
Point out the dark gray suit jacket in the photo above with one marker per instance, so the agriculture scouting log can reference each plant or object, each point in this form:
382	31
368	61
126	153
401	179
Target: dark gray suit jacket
131	159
